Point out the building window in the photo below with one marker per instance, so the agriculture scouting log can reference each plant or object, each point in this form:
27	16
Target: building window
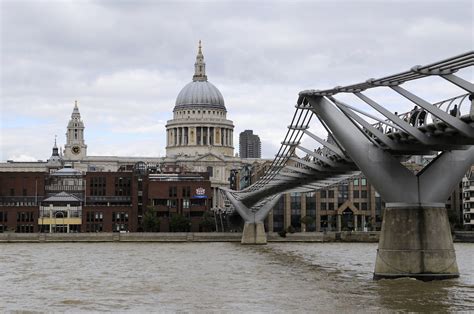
185	202
363	206
172	191
211	136
122	186
97	186
120	217
94	216
159	201
24	217
356	194
310	203
198	136
3	216
278	215
186	191
363	181
323	193
363	194
171	203
204	136
25	228
295	201
210	171
343	192
356	182
331	194
119	227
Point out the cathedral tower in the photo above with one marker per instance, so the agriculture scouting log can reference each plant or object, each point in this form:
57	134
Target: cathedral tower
199	125
75	148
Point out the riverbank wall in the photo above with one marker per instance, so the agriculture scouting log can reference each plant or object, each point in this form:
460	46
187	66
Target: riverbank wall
202	237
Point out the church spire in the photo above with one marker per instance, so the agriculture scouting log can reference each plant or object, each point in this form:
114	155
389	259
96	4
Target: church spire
55	148
199	66
75	112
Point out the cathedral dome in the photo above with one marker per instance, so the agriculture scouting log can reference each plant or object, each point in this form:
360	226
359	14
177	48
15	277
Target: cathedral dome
202	94
199	93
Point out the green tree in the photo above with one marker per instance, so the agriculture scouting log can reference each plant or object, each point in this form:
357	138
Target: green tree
307	220
179	223
208	222
151	222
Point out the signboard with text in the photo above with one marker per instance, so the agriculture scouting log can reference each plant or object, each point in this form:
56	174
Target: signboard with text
200	193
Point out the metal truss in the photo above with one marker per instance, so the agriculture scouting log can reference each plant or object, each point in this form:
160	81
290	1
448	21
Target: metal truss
375	144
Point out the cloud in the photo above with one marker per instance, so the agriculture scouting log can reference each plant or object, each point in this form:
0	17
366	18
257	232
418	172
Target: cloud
126	61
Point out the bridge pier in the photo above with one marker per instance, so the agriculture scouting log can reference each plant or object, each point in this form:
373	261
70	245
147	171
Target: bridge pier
416	241
254	233
254	230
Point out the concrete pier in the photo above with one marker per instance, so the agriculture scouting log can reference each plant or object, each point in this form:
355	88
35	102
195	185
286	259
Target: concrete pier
254	233
416	242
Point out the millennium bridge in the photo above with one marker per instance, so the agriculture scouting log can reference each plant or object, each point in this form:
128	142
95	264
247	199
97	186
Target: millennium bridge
415	239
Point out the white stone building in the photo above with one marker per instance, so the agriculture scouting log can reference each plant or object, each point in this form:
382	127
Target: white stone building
199	138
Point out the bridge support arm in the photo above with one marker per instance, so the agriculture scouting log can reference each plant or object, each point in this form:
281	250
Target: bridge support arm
254	229
416	239
243	211
439	178
375	163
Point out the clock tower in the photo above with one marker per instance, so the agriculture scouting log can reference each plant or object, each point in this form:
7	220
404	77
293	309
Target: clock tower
75	148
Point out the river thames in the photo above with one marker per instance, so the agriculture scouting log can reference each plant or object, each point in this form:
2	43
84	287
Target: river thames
218	277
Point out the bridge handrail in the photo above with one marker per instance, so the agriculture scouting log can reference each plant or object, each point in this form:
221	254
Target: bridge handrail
421	117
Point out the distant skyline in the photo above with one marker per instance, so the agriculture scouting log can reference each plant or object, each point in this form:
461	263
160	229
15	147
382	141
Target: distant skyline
126	61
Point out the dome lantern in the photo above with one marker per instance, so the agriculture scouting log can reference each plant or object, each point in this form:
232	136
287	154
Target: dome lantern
200	93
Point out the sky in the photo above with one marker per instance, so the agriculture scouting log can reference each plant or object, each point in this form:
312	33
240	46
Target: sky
126	61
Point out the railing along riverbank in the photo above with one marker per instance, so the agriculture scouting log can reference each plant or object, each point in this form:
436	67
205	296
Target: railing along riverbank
345	236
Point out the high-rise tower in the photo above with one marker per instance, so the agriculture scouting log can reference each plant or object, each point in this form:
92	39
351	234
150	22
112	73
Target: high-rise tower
75	148
249	145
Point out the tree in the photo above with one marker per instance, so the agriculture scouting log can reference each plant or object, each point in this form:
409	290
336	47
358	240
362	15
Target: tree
208	223
236	222
151	222
307	220
179	223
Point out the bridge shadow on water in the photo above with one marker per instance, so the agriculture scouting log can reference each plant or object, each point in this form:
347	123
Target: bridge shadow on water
345	272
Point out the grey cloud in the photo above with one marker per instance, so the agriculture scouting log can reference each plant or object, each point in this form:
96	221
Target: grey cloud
127	60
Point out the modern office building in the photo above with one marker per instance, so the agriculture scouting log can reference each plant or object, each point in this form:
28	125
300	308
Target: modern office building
249	145
468	199
350	205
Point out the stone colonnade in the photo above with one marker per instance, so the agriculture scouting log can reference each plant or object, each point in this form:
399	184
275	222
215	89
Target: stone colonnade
201	135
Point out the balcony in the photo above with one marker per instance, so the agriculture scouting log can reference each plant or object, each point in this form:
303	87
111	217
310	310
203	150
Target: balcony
59	221
60	211
67	188
20	200
109	200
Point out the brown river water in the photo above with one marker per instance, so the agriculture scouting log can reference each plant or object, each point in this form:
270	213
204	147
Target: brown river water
217	277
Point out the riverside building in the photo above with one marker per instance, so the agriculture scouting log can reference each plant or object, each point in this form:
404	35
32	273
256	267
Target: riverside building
67	200
468	199
112	193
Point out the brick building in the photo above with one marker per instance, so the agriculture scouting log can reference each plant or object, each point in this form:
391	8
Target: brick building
68	200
